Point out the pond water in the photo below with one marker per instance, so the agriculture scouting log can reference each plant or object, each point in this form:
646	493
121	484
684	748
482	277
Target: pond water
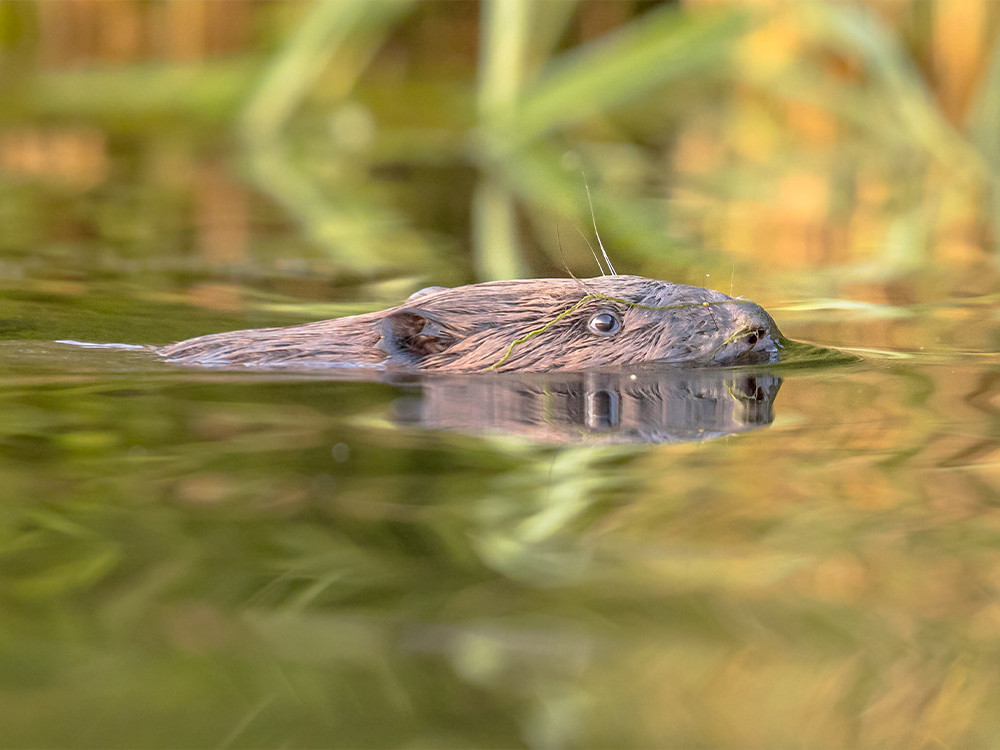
810	556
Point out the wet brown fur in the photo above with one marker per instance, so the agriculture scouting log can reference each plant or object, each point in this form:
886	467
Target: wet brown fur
523	325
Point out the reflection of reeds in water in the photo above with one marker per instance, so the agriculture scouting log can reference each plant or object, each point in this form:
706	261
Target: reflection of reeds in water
792	135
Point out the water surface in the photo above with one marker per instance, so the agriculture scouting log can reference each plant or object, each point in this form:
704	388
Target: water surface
244	559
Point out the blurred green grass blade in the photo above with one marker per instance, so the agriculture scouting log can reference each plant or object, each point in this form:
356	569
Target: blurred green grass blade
497	245
308	53
517	39
503	43
503	36
548	24
205	91
661	46
983	127
983	123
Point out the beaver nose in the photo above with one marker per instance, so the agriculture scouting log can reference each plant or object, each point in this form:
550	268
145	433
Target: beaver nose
753	316
755	338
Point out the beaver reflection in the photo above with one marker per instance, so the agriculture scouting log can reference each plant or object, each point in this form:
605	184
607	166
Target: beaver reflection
644	407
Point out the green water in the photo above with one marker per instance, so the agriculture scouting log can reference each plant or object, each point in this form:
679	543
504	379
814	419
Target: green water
199	558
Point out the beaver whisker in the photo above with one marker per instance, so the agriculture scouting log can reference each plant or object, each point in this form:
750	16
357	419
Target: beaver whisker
593	218
592	251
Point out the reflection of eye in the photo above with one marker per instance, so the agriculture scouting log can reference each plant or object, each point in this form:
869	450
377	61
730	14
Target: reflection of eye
604	323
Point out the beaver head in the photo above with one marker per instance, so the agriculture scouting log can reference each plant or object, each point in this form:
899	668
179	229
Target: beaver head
609	322
570	324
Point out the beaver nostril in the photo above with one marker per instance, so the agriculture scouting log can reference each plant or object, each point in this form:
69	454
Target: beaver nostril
757	334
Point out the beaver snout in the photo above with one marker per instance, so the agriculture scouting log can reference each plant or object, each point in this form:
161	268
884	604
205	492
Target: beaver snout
755	338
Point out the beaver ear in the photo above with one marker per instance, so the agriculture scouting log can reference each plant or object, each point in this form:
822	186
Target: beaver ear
409	331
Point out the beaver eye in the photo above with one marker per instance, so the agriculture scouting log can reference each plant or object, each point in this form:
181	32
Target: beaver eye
604	323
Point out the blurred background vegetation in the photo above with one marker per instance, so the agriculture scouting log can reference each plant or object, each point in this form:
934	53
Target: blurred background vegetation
786	150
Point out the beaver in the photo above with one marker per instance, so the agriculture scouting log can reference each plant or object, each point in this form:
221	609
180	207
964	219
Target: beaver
528	325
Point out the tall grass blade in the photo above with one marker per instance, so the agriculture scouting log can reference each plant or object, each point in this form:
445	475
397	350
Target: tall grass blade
662	46
497	242
503	39
308	53
983	122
